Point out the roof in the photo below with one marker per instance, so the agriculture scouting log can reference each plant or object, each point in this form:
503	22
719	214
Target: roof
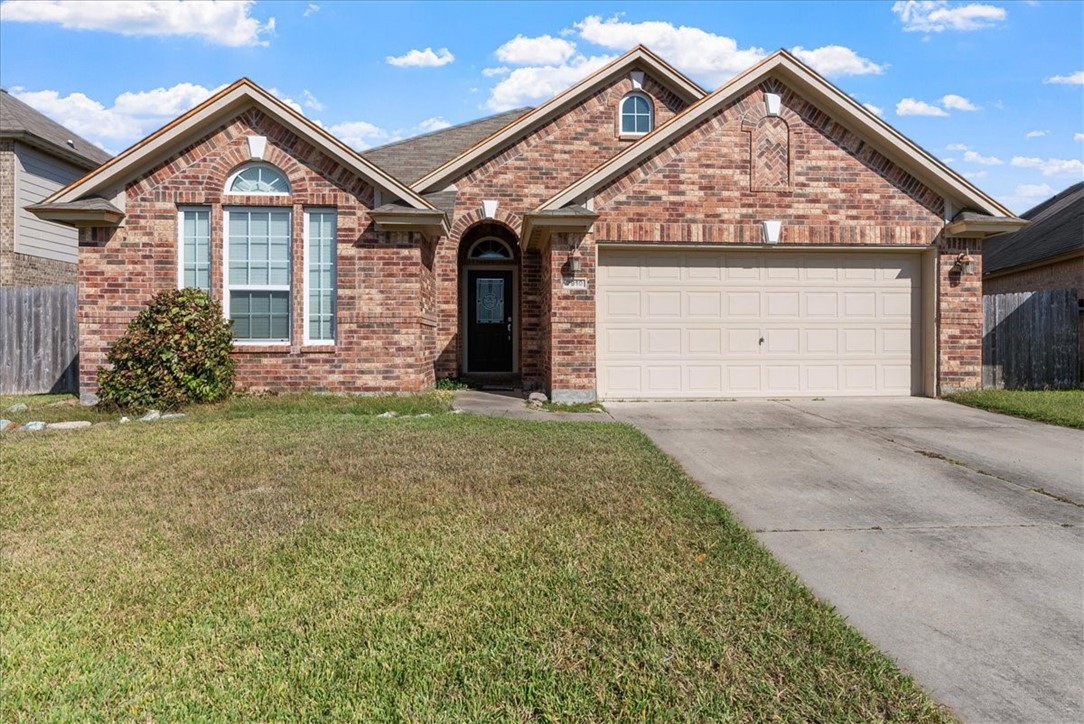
637	58
781	64
412	158
1056	229
226	104
20	121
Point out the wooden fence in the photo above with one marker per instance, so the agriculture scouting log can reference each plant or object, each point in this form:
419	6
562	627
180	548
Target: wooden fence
1031	340
39	342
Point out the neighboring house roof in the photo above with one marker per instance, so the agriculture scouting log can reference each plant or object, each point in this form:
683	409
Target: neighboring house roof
842	108
19	121
108	180
638	57
410	159
1056	230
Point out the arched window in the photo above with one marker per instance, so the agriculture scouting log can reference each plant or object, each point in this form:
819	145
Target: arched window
257	178
489	249
636	114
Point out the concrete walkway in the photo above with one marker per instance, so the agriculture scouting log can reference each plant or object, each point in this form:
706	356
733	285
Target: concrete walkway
513	405
953	538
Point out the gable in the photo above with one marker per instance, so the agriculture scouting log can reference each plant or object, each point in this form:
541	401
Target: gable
638	60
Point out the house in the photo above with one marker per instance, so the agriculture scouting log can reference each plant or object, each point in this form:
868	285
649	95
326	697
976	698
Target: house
37	157
633	237
1047	254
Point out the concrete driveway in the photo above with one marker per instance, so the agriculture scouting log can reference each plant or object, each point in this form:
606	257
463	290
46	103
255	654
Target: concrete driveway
951	537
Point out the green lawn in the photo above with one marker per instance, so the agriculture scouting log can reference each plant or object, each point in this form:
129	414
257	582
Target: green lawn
298	558
1058	407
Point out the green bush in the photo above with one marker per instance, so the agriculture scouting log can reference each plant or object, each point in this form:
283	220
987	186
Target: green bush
175	352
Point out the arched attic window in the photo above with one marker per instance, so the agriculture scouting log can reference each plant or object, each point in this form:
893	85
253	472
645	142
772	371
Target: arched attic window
637	115
257	178
489	248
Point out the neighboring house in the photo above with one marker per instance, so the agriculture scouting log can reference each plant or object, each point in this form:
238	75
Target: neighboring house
634	236
1048	254
37	157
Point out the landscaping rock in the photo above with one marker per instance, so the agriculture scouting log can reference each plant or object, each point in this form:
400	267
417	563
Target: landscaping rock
32	427
151	416
458	412
125	420
17	407
172	416
538	397
70	425
389	413
424	414
5	424
88	399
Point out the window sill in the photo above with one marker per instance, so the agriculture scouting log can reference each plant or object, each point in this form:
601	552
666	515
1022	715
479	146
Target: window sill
251	347
630	136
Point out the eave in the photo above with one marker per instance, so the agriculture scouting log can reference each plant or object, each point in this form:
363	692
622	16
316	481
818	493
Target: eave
982	228
539	226
79	214
431	224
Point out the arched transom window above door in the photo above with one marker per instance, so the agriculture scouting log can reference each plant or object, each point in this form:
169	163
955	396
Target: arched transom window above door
489	248
257	178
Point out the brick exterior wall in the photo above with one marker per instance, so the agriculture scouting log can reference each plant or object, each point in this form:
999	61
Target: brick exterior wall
959	304
385	280
520	178
1067	274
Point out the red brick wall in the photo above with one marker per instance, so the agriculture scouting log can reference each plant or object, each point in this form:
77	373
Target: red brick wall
1068	274
520	178
959	303
571	374
383	279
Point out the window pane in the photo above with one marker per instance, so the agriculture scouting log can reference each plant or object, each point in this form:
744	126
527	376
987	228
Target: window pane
260	179
195	248
257	257
320	275
260	315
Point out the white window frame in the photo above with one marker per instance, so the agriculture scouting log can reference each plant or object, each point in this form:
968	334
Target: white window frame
621	114
181	211
288	288
506	259
252	164
308	341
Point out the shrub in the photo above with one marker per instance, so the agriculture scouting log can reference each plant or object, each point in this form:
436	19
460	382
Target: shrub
176	351
451	383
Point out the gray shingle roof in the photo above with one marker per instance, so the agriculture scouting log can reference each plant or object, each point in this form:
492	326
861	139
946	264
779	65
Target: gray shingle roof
1057	227
411	159
20	120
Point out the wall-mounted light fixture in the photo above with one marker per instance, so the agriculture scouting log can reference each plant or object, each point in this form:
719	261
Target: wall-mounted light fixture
575	263
964	264
771	231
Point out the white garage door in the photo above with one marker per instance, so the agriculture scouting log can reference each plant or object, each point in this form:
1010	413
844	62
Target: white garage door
715	324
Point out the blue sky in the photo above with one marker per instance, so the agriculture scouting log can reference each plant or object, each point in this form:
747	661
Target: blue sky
994	88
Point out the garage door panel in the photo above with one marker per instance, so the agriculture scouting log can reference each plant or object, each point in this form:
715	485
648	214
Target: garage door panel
708	324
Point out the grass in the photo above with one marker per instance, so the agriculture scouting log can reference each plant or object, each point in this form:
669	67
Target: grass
1058	407
298	558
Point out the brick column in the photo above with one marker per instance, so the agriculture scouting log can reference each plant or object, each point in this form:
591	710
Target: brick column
571	315
959	305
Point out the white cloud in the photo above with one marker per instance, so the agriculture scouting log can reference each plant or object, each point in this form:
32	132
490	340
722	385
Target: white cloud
222	23
958	103
524	86
1036	134
358	134
1034	191
312	9
288	101
957	147
421	58
837	61
499	70
433	124
1050	166
936	16
310	101
1078	136
974	157
1076	78
913	107
543	50
712	57
974	175
875	110
948	159
133	114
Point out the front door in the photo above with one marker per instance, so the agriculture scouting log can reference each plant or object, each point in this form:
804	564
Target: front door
490	322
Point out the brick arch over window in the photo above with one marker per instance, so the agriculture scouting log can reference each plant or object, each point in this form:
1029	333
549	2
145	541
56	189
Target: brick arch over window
237	156
477	216
774	141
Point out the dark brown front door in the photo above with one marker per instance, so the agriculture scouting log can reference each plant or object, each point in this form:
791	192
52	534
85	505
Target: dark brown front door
490	322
